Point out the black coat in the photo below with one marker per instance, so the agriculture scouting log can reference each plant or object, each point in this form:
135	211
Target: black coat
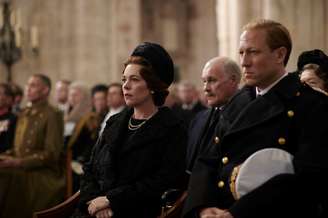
133	177
188	114
247	125
201	133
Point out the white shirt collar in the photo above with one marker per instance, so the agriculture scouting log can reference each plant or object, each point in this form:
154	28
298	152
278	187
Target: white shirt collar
264	91
113	111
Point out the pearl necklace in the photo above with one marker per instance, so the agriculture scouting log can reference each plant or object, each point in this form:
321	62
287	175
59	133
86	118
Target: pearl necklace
135	127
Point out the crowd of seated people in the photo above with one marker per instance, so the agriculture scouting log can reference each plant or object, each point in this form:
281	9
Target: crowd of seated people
31	170
35	138
130	141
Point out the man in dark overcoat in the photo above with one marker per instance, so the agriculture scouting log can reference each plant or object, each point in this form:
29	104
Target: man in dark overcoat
273	110
221	77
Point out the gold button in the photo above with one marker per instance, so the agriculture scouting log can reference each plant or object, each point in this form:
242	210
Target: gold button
225	160
216	140
290	113
281	141
220	184
298	93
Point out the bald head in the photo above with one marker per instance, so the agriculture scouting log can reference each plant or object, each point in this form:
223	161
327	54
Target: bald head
221	77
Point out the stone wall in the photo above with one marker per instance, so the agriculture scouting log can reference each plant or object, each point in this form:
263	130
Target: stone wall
306	20
78	39
89	40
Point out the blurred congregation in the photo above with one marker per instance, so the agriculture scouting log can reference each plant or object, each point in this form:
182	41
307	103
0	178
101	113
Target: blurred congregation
163	103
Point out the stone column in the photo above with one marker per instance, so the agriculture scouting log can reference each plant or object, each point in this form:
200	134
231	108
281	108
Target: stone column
74	40
302	18
306	21
202	30
125	31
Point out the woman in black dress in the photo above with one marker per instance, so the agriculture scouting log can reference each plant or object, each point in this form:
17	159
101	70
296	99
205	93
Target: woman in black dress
141	152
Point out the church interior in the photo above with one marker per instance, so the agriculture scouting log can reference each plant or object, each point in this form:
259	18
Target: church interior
90	40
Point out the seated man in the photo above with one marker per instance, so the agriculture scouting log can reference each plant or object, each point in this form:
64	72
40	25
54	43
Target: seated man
274	110
115	102
190	102
221	77
31	174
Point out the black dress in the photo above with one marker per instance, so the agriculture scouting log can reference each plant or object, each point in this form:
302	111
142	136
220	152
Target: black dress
133	168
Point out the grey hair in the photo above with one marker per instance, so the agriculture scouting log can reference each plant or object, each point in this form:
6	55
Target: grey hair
231	68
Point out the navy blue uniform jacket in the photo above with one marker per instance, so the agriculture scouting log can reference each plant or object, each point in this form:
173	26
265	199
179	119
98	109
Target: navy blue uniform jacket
291	116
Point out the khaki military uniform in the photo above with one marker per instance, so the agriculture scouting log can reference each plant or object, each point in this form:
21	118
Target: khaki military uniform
39	184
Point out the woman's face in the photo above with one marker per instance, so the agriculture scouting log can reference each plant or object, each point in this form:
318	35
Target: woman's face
308	76
74	96
135	90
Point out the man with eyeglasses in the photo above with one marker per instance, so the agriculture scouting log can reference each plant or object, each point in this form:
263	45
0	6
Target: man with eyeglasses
221	77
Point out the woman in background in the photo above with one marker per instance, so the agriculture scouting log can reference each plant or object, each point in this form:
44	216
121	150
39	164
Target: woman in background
313	66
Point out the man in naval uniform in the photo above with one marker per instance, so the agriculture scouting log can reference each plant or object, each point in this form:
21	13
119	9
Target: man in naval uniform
273	110
221	77
31	174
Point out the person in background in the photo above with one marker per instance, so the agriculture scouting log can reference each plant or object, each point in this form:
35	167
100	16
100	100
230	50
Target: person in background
313	68
130	166
85	133
7	118
79	102
61	95
190	103
172	100
99	100
273	111
221	77
18	97
115	102
32	172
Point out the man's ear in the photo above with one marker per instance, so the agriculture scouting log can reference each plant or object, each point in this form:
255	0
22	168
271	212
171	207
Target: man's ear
280	54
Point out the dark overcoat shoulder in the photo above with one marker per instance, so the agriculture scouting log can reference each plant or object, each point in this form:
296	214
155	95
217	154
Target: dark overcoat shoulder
291	116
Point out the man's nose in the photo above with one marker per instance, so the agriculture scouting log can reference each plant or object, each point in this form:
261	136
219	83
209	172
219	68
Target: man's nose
205	86
244	60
